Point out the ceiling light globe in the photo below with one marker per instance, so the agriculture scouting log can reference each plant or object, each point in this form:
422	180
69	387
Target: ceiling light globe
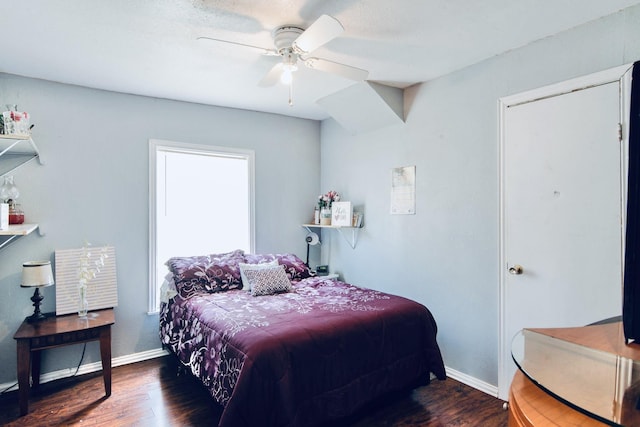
286	77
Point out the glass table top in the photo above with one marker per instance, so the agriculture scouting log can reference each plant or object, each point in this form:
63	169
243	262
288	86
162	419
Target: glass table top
589	368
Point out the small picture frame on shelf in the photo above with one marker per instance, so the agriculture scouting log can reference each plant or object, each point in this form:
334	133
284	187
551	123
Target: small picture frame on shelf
357	219
341	214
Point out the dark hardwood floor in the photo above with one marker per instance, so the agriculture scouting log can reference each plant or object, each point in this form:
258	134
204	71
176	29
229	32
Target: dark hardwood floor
151	394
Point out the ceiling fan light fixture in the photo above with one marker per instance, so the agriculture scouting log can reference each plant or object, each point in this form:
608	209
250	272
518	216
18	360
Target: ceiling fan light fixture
287	74
289	65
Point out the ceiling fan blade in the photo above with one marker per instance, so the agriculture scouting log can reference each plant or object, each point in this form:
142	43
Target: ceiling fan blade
272	77
343	70
320	32
269	52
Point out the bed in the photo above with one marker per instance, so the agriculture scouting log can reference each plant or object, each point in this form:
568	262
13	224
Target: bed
294	349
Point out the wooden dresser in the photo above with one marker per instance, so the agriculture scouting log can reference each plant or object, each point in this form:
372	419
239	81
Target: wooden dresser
584	376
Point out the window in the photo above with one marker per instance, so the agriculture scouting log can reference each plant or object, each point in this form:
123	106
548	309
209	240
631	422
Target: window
201	202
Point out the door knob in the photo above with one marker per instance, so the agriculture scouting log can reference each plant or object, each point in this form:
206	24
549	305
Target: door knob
516	269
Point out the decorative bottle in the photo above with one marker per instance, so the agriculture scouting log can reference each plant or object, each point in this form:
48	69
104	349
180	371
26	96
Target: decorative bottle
83	303
316	215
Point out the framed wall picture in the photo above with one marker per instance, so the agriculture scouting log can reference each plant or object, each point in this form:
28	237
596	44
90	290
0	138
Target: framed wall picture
102	289
357	219
403	190
341	214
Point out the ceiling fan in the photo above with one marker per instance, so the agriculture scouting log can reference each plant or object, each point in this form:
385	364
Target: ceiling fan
294	44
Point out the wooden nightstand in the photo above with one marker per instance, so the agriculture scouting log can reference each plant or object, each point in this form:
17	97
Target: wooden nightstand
57	331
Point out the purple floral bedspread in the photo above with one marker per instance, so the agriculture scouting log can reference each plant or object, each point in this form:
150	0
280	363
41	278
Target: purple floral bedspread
301	358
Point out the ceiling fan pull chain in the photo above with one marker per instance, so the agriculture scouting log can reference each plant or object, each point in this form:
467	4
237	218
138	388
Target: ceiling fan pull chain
291	93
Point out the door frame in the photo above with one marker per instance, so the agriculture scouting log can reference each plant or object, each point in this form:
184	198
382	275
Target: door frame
619	74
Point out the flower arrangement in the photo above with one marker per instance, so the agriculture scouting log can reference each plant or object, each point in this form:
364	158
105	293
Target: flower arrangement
87	272
325	200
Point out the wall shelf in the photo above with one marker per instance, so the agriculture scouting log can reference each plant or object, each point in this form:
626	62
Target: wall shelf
351	240
16	150
15	231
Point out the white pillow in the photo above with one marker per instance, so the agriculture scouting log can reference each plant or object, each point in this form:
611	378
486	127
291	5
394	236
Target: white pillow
269	281
244	267
168	288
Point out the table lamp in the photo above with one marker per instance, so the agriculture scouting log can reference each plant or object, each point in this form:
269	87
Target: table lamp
36	274
312	239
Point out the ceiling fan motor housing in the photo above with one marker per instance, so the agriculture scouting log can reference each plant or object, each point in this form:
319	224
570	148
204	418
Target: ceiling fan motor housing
283	37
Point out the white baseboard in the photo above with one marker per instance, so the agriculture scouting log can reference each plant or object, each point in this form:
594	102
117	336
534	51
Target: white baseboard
93	367
472	382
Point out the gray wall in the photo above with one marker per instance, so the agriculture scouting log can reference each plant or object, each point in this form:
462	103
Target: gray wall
446	256
94	187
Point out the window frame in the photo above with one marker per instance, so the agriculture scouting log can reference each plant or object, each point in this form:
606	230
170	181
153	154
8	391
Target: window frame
156	145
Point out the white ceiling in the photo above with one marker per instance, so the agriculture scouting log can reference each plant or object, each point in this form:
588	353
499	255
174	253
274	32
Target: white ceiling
149	47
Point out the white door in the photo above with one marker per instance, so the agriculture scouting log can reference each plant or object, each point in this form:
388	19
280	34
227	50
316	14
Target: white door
562	213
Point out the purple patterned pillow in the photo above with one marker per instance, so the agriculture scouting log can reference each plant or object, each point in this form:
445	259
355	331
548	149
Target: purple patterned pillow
294	266
188	288
258	258
209	273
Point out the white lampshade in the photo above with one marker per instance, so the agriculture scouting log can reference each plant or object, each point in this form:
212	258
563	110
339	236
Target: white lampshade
312	239
36	274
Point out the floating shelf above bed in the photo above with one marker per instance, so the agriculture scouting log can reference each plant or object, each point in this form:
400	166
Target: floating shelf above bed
351	240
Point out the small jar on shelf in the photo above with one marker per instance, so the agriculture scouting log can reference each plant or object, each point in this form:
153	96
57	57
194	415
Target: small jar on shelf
16	214
325	216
